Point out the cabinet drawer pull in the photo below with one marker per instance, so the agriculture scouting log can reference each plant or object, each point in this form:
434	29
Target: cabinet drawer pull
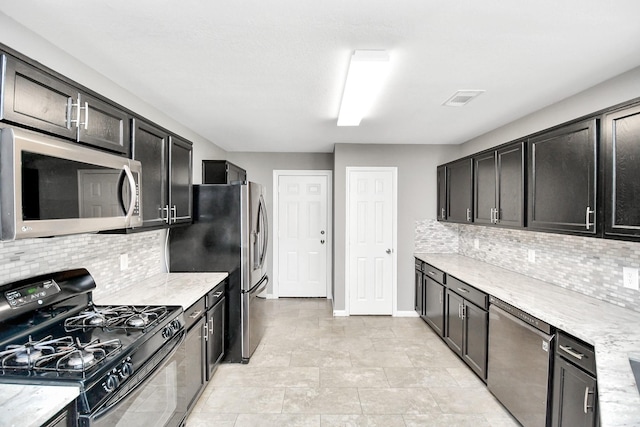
195	314
463	290
571	352
431	273
217	294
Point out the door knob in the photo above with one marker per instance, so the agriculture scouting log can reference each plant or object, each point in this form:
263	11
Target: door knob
322	232
388	251
322	242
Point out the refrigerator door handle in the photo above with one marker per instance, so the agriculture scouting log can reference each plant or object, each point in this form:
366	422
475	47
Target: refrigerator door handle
263	222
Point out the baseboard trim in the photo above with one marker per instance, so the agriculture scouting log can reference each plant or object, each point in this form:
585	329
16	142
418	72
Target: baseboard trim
410	313
271	296
340	313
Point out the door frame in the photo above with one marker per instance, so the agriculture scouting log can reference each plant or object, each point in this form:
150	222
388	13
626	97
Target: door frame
276	241
394	233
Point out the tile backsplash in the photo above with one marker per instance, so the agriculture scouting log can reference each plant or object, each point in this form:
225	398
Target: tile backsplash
98	253
591	266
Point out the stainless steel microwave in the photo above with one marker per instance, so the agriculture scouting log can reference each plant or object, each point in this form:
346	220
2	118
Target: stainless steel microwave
51	187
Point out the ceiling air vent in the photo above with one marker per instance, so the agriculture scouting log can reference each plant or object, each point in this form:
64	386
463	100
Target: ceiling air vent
462	97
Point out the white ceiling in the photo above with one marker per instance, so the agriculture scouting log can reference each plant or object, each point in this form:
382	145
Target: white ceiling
258	75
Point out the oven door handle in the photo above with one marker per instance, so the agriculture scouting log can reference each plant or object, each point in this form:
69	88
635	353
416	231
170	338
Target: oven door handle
115	400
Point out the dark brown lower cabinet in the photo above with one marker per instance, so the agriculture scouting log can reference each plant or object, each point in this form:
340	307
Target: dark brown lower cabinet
434	304
466	331
419	290
194	361
574	396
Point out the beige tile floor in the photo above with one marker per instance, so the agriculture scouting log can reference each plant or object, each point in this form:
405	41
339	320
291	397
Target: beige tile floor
313	369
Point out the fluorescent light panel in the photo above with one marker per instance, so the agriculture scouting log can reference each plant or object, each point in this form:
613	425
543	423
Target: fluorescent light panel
367	72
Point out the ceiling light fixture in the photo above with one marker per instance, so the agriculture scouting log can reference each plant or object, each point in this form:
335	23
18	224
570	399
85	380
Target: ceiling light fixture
367	72
462	97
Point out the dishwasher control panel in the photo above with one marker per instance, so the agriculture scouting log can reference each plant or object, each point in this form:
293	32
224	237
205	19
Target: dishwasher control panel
522	315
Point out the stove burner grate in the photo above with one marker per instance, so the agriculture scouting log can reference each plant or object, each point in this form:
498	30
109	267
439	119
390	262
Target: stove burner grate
116	317
57	354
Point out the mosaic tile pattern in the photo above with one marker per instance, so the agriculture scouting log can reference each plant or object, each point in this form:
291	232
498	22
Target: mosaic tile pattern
591	266
98	253
434	237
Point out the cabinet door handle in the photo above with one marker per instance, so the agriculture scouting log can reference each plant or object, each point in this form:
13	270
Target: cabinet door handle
468	215
211	326
571	352
462	316
442	213
165	210
174	214
586	217
195	314
586	406
491	220
206	331
440	296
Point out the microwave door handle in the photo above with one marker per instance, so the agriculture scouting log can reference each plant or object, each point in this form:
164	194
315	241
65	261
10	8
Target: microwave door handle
132	187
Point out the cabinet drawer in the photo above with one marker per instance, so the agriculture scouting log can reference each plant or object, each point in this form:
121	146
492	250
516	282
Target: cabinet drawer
468	292
215	295
576	351
433	272
193	313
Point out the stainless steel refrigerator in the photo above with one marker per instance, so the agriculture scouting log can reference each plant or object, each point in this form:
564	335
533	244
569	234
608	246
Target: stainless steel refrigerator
229	233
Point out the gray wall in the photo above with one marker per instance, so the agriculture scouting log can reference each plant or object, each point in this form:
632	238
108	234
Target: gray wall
260	167
416	201
619	89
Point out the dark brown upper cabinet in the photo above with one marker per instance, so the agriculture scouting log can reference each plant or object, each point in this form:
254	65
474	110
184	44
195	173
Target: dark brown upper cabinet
166	175
622	172
499	186
460	191
150	147
221	172
33	98
441	215
562	179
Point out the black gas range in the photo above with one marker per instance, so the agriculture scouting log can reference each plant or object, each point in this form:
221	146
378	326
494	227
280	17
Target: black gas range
51	333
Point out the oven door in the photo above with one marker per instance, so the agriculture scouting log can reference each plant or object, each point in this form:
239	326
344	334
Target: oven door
157	400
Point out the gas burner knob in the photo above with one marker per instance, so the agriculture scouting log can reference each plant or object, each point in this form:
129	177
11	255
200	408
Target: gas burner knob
168	332
126	370
111	383
175	324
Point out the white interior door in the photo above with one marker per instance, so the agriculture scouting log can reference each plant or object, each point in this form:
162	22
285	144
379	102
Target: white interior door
303	234
370	236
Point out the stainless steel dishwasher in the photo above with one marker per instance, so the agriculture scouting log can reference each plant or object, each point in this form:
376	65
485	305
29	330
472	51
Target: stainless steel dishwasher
520	357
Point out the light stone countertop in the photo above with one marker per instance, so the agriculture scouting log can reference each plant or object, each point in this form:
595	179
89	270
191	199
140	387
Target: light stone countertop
33	405
614	331
183	289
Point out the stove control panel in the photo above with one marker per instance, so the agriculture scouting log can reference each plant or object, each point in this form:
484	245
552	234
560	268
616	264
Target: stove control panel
32	294
117	375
